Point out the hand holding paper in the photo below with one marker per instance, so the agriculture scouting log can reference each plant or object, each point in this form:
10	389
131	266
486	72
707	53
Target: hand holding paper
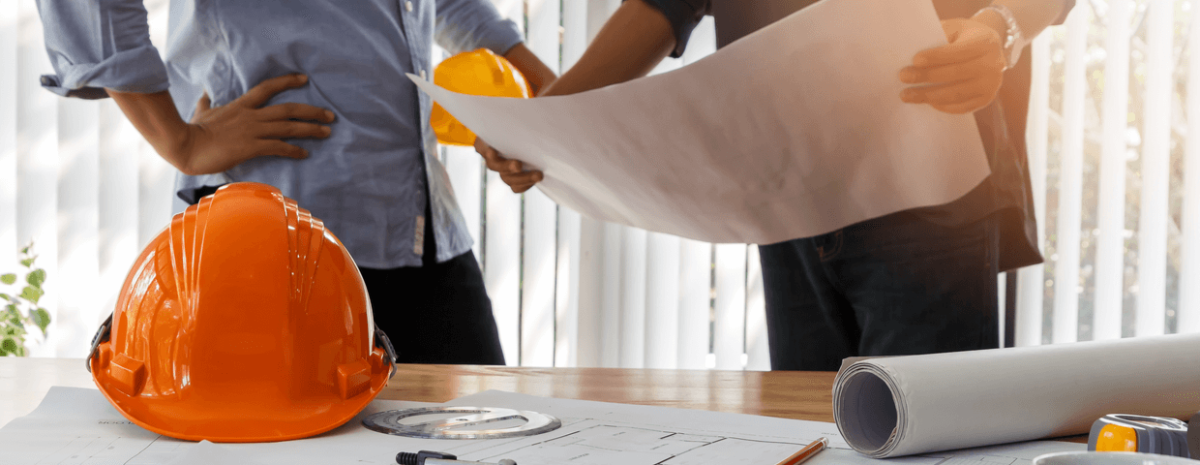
961	77
512	172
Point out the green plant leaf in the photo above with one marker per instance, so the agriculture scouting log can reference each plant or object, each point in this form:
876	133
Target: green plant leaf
32	294
8	278
17	324
5	297
27	263
17	331
36	277
10	346
42	318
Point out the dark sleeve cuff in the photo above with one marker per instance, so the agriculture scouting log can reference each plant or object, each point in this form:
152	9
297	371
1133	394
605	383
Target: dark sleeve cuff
138	70
1067	6
683	15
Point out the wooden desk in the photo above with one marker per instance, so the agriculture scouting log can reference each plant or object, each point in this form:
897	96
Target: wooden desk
805	396
796	395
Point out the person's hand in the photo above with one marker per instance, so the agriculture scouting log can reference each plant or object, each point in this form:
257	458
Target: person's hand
220	138
512	172
962	77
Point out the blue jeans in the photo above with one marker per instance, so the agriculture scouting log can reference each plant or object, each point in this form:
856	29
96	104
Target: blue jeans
896	285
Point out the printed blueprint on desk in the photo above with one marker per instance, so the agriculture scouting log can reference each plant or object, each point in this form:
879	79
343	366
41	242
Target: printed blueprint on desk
79	427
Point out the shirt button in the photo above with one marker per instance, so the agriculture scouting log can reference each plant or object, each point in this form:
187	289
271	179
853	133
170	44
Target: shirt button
423	74
408	6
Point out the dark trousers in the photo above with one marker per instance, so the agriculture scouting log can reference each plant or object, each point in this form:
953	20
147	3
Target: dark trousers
896	285
437	313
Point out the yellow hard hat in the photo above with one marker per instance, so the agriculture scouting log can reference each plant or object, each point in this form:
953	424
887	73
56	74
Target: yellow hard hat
479	72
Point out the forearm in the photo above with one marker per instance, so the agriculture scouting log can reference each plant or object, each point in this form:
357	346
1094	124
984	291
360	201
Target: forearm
155	117
629	46
535	71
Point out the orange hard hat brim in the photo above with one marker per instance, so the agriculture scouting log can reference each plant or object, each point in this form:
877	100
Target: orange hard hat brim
219	420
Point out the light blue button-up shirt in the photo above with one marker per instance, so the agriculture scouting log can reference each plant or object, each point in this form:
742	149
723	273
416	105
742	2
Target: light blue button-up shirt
368	180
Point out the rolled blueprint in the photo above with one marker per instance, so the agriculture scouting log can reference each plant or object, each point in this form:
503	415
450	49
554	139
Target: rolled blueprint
891	407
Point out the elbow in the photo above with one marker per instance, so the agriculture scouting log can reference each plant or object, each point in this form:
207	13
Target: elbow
188	170
182	164
179	158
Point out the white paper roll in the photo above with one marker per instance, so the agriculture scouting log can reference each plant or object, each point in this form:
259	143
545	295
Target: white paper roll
891	407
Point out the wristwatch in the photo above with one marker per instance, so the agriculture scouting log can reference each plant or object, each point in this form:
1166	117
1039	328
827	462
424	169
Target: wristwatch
1014	41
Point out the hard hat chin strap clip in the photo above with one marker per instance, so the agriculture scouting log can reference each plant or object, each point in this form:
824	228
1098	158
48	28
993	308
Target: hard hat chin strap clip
382	342
100	338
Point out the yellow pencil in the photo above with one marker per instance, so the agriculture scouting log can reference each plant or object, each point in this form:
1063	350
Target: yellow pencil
806	453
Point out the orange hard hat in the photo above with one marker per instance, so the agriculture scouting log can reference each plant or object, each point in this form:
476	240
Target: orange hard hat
480	72
244	321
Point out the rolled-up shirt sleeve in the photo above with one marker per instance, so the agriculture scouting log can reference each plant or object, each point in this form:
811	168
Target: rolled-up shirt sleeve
1067	6
683	15
464	25
98	45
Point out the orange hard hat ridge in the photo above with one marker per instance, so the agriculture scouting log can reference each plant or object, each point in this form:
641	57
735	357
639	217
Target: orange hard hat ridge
478	72
244	321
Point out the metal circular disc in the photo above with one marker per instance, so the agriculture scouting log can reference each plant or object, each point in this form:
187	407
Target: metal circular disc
463	426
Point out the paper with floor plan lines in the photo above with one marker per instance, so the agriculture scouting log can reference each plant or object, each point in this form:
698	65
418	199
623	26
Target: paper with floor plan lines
793	131
79	427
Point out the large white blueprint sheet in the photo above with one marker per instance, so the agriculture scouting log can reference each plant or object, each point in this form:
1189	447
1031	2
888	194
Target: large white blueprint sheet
79	427
793	131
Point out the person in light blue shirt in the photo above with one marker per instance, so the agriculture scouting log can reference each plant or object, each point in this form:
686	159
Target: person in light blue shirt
310	96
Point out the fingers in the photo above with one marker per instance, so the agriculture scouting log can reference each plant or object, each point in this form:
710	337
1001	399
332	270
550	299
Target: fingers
971	42
969	71
952	28
950	94
518	179
980	67
970	106
280	149
512	172
258	95
204	104
493	160
521	181
293	130
521	188
505	166
296	111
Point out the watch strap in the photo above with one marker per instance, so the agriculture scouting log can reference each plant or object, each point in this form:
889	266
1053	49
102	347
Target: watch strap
1015	36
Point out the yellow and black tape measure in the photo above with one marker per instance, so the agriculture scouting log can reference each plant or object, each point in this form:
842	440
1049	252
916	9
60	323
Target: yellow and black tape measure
1137	433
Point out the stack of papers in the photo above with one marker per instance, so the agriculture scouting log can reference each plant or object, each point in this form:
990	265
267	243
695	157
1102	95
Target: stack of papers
78	426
